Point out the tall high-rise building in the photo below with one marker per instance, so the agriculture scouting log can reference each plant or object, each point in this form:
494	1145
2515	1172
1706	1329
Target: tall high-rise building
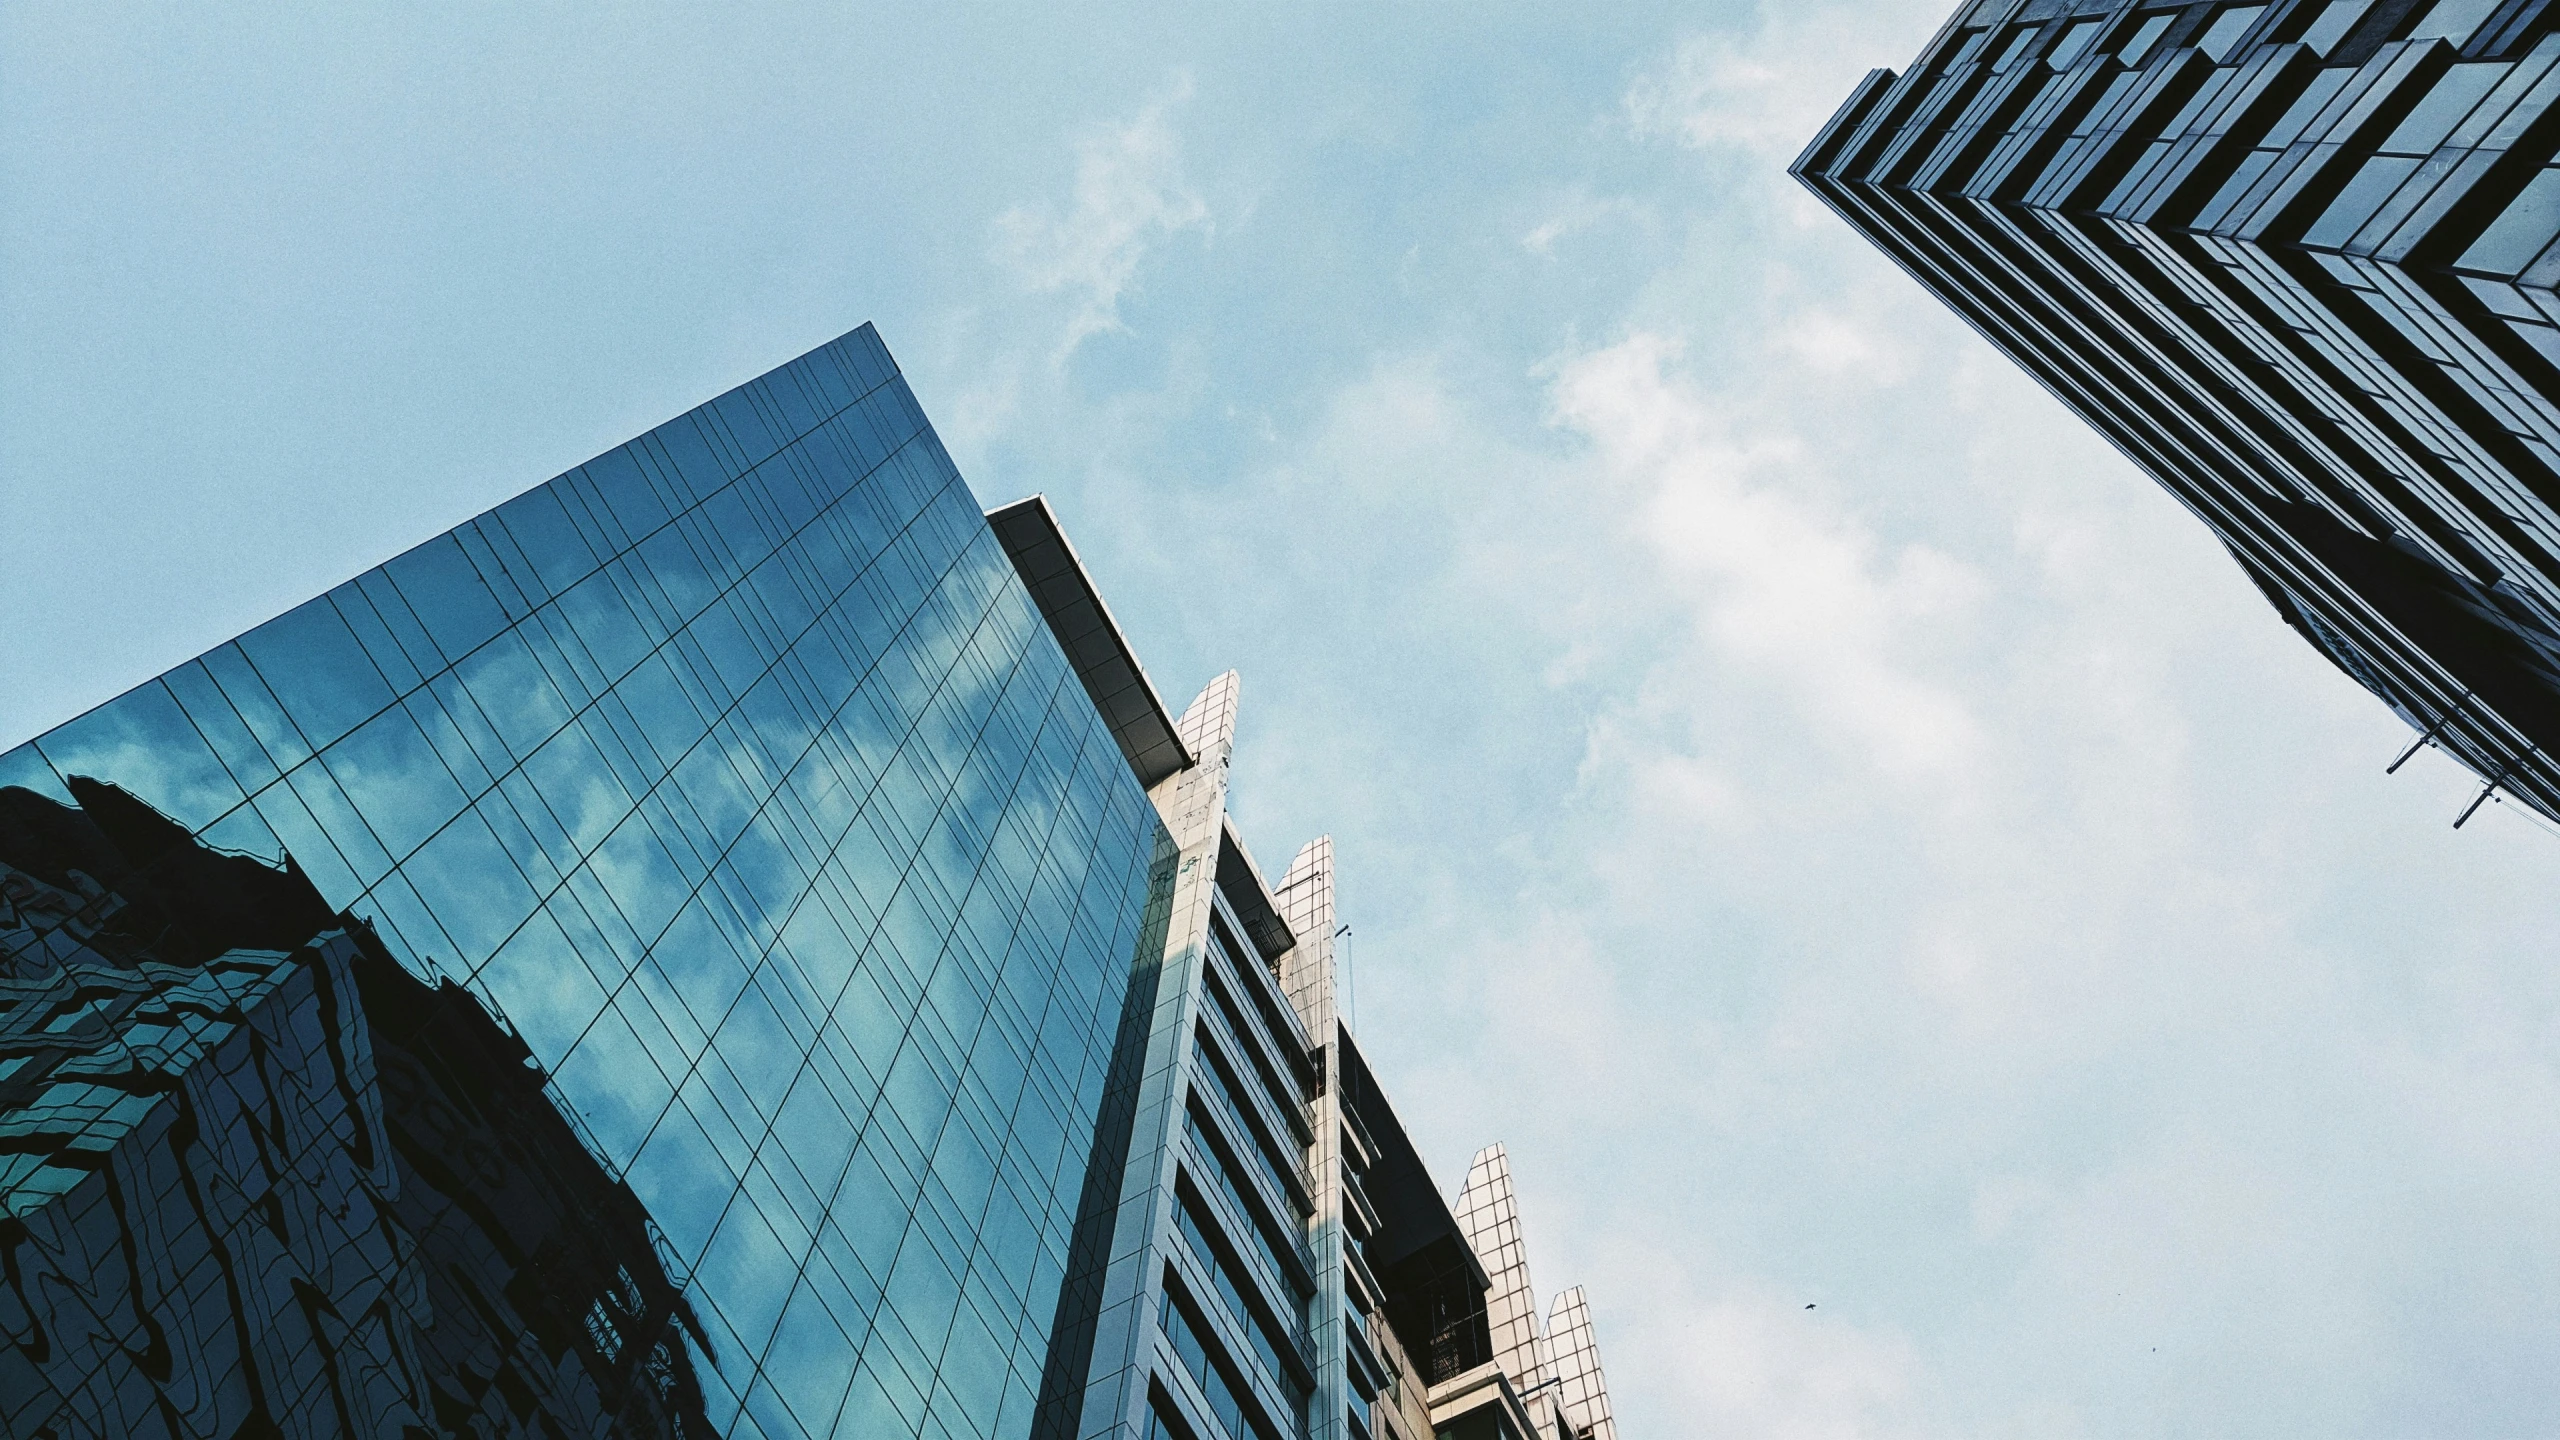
2296	260
728	942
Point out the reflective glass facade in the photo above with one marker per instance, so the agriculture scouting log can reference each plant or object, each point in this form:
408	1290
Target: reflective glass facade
2297	260
736	781
727	943
262	1181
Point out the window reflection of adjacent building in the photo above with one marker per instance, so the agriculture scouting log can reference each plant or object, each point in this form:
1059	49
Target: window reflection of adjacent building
262	1181
737	772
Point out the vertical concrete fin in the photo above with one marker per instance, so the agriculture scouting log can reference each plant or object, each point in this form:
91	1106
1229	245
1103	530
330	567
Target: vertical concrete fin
1210	723
1194	801
1490	1214
1575	1351
1306	903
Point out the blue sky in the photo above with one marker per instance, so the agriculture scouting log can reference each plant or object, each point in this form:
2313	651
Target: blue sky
1853	837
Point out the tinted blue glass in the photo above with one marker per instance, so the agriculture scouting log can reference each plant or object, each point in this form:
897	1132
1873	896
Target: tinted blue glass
2243	175
1215	1085
692	781
538	521
2222	37
2012	46
2453	20
147	736
1247	1211
2521	232
2452	97
447	594
320	676
1231	1288
1194	1353
2146	34
2333	23
2075	42
2373	184
2306	107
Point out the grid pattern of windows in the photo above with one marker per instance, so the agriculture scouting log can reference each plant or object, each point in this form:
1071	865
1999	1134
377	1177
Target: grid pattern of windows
1250	1226
738	773
257	1174
1221	1091
1206	1369
1285	1265
2297	260
1228	1280
1246	1134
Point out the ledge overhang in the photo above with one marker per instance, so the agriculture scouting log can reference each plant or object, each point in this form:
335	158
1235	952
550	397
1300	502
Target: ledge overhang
1240	880
1041	555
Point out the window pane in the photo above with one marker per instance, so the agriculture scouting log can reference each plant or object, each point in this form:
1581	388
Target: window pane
2454	94
2074	43
2520	232
2334	23
2364	195
2453	20
2222	37
2145	35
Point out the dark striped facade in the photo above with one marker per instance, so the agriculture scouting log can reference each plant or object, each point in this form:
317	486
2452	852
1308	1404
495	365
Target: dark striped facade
2297	260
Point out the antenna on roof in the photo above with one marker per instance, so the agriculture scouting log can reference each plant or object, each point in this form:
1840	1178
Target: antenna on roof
1342	965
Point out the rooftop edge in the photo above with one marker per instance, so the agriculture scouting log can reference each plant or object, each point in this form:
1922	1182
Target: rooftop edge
1059	584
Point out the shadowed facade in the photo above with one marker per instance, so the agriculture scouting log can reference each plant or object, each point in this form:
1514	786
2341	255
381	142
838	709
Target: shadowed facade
261	1181
2296	260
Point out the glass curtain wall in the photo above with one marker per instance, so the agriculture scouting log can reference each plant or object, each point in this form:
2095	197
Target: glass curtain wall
737	774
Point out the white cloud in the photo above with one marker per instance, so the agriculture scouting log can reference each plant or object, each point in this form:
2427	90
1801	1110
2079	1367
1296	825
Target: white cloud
1838	346
1576	212
1852	836
1130	193
1808	596
1757	1362
1765	90
1934	925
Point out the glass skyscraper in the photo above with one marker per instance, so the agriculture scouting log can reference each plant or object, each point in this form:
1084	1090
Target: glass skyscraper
727	943
2295	259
